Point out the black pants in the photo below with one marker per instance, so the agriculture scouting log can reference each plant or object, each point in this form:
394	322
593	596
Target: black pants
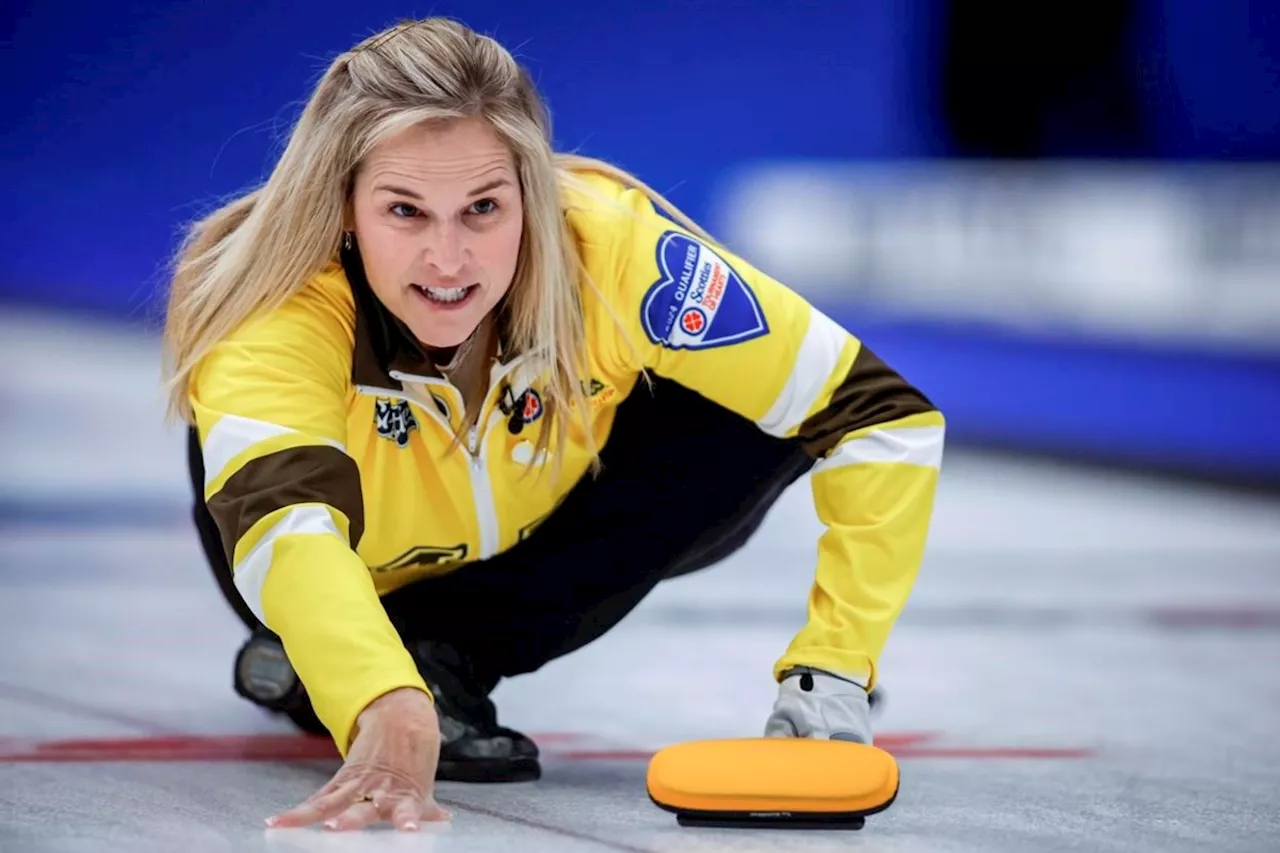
685	484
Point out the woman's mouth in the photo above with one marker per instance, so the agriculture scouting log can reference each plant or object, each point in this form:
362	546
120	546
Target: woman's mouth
446	297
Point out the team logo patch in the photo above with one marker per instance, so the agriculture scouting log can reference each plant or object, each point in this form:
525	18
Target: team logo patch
422	556
598	393
394	420
531	406
700	302
527	530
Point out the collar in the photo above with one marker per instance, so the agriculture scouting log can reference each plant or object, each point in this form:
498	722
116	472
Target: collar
383	343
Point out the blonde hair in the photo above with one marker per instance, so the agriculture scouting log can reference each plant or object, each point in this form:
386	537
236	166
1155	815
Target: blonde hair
254	253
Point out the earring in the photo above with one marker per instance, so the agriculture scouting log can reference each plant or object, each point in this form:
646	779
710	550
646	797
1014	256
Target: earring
346	240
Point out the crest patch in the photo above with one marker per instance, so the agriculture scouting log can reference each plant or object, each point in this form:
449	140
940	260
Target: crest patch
701	301
394	420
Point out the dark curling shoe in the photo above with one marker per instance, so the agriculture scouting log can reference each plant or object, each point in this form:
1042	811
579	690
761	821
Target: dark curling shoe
474	748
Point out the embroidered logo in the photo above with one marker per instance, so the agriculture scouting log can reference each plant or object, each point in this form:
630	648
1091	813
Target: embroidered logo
394	420
423	556
701	301
530	406
598	393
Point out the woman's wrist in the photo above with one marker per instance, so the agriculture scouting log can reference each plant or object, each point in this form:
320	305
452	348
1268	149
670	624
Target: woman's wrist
402	698
404	704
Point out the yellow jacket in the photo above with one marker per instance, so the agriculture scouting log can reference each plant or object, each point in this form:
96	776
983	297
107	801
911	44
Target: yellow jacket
326	442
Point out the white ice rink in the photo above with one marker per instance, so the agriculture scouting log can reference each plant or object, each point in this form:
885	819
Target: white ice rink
1089	662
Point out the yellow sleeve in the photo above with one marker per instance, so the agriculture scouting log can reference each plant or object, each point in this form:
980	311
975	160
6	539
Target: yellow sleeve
707	319
270	405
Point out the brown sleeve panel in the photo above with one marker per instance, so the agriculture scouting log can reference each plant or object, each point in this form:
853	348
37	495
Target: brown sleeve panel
316	473
871	393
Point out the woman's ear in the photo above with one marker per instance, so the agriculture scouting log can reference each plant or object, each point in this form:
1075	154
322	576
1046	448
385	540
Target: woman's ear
349	204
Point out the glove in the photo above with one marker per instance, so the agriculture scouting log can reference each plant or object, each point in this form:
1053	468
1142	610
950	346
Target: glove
813	703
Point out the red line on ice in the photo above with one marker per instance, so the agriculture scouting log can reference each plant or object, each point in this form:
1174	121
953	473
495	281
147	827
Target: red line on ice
289	747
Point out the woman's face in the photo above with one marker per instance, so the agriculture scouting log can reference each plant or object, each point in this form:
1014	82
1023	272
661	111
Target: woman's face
438	214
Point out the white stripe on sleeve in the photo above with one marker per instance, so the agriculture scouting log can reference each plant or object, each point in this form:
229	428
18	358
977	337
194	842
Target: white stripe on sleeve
251	573
234	434
818	356
908	445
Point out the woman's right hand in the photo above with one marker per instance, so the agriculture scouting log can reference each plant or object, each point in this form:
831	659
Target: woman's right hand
389	773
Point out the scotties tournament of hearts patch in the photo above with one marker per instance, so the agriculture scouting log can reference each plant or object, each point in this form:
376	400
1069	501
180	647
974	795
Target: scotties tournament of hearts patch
701	302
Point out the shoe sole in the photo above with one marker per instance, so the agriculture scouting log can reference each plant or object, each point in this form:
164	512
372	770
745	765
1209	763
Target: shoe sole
481	771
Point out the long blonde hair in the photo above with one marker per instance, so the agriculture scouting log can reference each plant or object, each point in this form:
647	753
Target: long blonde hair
254	253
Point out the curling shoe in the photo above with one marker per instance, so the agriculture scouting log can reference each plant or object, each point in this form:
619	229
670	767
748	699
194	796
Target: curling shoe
473	747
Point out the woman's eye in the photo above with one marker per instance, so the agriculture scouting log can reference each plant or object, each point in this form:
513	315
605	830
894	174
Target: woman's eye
484	205
403	209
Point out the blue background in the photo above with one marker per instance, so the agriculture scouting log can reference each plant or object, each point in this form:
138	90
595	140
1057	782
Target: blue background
125	120
122	120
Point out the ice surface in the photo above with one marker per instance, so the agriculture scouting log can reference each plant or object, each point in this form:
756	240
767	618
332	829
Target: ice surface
1131	626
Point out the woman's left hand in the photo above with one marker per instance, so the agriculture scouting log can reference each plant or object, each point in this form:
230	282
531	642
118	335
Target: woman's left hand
816	704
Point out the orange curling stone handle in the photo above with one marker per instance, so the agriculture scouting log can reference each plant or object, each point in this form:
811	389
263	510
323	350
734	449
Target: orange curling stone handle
773	778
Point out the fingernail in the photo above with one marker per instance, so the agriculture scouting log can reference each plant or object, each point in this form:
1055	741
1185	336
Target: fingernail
331	823
411	826
270	821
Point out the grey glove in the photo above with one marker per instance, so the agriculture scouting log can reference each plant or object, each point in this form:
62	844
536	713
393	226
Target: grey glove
813	703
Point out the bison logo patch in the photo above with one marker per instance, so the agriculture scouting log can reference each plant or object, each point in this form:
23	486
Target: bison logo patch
394	420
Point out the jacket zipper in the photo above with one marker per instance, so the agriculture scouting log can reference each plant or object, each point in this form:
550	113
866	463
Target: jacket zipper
481	487
477	462
482	492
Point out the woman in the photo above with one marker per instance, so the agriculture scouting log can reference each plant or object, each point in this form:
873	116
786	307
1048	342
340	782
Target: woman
459	403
